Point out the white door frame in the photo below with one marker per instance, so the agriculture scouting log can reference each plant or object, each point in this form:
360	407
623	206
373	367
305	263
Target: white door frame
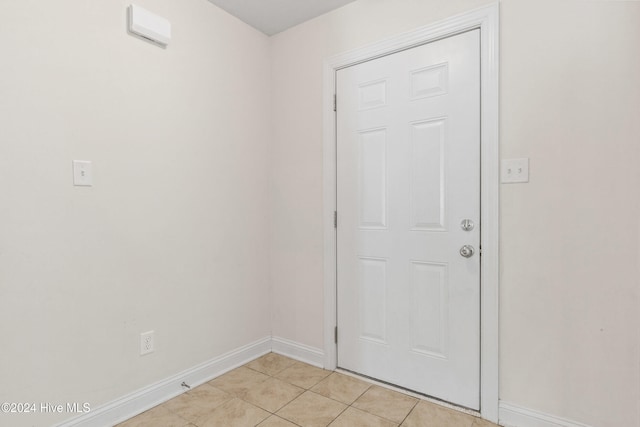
487	20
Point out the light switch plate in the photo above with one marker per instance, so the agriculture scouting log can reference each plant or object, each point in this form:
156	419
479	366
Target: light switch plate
514	170
82	174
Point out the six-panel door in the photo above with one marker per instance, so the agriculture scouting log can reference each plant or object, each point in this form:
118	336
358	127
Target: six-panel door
408	175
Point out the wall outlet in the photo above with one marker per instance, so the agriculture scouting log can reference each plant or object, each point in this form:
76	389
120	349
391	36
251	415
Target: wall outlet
514	170
146	343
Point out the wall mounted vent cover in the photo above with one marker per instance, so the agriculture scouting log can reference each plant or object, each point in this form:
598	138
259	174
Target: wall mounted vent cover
149	25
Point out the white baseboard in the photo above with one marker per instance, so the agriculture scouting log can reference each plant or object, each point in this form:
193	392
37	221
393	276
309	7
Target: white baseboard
511	415
304	353
135	403
128	406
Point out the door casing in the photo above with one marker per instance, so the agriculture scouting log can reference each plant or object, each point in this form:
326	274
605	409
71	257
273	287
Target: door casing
486	19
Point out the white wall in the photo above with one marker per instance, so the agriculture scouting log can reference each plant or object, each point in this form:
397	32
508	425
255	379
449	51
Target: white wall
570	260
173	234
208	175
570	272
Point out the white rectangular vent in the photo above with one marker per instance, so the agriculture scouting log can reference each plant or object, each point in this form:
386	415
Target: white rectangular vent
149	25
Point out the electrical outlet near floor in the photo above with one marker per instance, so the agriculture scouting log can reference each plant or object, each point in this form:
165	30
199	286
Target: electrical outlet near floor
146	343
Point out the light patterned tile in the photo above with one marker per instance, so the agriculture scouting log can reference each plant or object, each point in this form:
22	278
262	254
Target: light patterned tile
270	363
234	413
386	403
353	417
276	421
303	375
197	403
432	415
311	410
479	422
239	381
158	416
256	392
271	394
341	387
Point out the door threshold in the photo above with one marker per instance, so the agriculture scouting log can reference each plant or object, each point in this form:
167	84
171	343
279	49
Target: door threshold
409	392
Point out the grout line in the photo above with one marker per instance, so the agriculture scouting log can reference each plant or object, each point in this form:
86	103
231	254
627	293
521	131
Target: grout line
408	413
341	412
418	396
368	380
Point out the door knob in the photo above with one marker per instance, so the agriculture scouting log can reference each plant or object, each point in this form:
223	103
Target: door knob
467	251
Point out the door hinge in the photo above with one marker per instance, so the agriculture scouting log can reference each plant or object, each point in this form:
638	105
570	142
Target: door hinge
335	334
335	102
335	219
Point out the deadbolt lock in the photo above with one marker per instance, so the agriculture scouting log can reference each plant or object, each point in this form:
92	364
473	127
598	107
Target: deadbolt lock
467	225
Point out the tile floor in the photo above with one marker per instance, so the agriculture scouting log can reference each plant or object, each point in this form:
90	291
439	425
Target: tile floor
275	391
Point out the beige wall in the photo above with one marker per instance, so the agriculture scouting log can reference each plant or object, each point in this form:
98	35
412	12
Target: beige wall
208	192
173	234
570	278
570	101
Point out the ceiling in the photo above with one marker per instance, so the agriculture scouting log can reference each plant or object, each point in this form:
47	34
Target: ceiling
273	16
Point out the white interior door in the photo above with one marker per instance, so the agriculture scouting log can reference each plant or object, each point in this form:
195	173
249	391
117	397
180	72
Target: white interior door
408	176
